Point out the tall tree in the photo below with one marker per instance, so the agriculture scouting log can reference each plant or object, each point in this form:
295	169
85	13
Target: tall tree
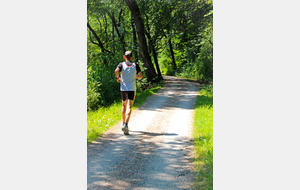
152	42
150	72
97	38
135	54
172	53
115	24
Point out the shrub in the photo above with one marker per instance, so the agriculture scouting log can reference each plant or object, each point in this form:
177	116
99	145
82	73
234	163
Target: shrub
93	95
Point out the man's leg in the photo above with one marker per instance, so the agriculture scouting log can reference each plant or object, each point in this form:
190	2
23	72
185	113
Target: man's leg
130	103
126	115
124	126
124	97
131	97
124	105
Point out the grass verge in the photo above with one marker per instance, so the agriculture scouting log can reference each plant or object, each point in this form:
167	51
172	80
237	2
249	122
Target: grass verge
105	117
203	139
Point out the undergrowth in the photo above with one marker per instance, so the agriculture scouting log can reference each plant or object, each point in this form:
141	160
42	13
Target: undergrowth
203	139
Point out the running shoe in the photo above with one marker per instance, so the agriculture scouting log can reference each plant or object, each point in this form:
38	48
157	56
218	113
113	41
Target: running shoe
125	129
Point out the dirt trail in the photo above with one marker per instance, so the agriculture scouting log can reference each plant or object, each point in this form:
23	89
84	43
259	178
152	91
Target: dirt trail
157	153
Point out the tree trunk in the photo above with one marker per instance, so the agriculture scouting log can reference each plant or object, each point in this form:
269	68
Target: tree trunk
152	48
135	54
156	63
172	54
150	72
121	37
113	38
97	38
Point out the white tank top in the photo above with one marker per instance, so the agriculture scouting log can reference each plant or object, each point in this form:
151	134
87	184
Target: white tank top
128	77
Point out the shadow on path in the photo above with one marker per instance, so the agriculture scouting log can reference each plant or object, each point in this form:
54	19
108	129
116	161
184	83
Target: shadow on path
157	154
153	134
140	161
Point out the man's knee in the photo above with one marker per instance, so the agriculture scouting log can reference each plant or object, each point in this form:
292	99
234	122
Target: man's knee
129	107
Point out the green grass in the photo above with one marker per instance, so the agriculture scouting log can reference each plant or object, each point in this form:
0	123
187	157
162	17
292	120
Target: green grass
105	117
203	139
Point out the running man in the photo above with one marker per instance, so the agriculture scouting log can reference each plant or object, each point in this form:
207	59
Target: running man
129	73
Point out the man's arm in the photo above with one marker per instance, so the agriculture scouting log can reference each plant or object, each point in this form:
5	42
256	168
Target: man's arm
139	75
117	74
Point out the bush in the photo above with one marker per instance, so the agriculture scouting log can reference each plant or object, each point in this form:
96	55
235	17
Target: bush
93	95
201	68
102	88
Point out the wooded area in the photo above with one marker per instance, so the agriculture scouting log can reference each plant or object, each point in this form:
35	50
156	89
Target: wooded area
166	37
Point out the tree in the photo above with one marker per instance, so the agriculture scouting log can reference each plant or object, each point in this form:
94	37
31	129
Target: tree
150	72
152	42
98	39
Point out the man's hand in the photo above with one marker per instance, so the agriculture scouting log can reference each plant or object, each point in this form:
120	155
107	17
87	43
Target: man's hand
119	80
139	76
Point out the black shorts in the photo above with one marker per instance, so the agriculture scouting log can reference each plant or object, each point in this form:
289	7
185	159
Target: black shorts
127	95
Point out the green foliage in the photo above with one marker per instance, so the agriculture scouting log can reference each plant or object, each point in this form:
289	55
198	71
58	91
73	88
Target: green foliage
187	23
103	89
110	88
93	95
200	69
203	139
191	36
165	63
199	65
141	84
189	64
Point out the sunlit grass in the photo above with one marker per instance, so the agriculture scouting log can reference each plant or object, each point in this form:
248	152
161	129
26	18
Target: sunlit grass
105	117
203	139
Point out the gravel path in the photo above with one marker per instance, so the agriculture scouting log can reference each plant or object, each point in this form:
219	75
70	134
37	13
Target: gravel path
157	153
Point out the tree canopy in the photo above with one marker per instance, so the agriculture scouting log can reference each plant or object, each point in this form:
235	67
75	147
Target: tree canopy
166	37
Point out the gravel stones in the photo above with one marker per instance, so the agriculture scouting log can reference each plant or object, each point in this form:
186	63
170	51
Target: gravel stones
157	153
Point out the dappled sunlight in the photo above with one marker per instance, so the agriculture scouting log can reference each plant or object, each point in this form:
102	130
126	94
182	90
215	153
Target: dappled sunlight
158	151
175	94
143	153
